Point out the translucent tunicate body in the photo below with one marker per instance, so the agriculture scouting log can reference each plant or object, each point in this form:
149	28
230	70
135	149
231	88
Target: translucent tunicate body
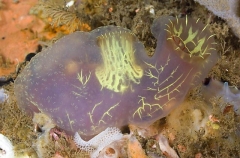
86	82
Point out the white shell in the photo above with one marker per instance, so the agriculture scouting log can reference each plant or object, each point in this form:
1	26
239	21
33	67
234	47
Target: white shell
70	3
6	147
3	95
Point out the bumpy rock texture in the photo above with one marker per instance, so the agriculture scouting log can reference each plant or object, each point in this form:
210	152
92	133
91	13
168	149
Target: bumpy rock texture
226	9
87	82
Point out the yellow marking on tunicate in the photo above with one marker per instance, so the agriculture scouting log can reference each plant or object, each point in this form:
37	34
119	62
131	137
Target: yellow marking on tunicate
213	48
93	128
96	105
70	121
197	75
167	26
175	32
101	121
91	113
78	94
204	27
163	105
167	30
151	89
150	75
143	106
171	22
197	20
211	36
108	113
172	84
34	103
179	31
199	48
159	70
90	117
81	91
167	61
186	20
83	79
170	76
131	88
177	48
167	91
118	69
191	36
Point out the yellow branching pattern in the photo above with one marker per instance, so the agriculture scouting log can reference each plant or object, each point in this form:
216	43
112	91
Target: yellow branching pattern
71	122
83	79
144	105
182	38
107	113
91	113
165	90
119	68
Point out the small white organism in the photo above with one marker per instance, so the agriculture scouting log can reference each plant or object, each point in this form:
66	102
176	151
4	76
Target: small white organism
165	147
97	143
70	3
3	95
6	148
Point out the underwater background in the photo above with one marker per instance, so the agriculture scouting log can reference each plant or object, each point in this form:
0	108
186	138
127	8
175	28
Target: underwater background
165	73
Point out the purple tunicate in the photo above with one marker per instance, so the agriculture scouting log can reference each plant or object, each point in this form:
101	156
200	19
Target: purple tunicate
86	82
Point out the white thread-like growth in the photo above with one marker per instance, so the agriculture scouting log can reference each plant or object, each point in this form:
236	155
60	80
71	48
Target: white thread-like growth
96	144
